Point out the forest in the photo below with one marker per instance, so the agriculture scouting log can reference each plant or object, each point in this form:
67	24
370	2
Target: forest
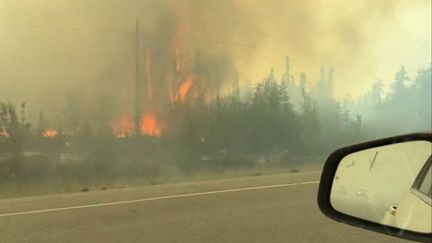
280	123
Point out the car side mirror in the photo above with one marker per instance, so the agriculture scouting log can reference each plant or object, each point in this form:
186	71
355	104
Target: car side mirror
383	185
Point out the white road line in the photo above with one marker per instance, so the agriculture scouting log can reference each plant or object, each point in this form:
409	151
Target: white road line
156	198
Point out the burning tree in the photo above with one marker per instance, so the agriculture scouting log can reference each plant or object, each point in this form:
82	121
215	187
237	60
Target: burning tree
169	75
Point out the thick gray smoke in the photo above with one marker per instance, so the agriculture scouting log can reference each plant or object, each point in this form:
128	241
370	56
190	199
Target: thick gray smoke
51	50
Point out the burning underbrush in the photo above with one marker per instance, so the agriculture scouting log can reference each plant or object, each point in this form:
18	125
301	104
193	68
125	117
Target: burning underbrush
181	138
179	111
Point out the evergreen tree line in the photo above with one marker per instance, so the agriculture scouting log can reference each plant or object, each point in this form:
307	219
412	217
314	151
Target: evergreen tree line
279	115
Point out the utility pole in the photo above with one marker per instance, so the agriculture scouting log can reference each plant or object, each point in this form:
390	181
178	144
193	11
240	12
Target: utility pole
137	97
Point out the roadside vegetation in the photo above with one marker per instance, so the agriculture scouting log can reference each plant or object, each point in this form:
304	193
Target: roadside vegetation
278	125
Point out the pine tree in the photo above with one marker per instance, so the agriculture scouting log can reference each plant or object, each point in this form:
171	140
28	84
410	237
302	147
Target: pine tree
398	86
303	81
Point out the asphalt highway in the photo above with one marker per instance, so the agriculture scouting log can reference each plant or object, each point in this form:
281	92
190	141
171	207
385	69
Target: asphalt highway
272	208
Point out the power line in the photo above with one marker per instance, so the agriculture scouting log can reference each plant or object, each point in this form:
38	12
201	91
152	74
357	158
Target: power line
161	36
67	28
147	35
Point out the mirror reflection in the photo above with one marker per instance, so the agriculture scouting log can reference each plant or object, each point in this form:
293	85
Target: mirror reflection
390	185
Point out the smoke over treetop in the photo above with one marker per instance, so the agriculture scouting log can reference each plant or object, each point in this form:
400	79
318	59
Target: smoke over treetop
48	48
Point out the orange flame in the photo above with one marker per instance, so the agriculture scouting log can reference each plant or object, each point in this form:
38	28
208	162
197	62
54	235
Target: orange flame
4	134
50	133
122	127
180	32
196	93
177	58
184	89
150	126
171	92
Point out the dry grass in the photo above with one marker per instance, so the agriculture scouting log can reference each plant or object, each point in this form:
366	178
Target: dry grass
56	186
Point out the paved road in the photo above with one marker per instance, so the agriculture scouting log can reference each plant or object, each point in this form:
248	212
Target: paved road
260	209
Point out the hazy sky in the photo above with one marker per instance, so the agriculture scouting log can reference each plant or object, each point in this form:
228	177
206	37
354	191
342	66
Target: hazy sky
49	47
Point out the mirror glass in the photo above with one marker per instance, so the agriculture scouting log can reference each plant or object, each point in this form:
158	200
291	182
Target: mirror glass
390	185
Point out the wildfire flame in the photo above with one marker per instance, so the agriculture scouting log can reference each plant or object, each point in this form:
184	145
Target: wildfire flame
50	133
184	89
181	68
123	127
177	58
171	91
150	126
181	31
4	134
